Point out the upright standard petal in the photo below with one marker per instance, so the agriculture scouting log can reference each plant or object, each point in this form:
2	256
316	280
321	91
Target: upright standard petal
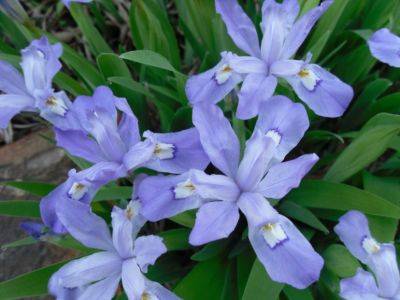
353	231
215	187
122	232
302	28
285	122
138	155
102	290
323	92
277	20
161	197
86	270
84	225
177	152
360	287
217	137
40	63
78	143
240	27
214	84
385	46
147	249
260	149
62	293
156	289
283	177
384	265
214	221
11	105
285	253
256	89
11	80
289	10
128	126
133	280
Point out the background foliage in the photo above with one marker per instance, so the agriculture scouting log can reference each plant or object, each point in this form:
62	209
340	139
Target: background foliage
360	152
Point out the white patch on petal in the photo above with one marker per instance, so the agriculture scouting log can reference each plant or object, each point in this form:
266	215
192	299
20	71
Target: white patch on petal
56	105
223	74
40	53
164	151
149	296
309	79
77	191
275	136
273	234
132	210
370	245
184	189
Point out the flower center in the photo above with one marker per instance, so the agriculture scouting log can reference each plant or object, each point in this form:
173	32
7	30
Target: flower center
164	151
223	74
273	234
308	78
132	210
184	189
370	245
56	105
148	296
77	191
274	135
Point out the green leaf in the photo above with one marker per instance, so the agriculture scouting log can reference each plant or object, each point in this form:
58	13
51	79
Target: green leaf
340	261
176	239
370	93
30	284
342	197
112	66
95	40
259	283
186	218
383	229
20	208
113	193
366	148
204	281
326	26
210	250
302	214
355	65
35	188
149	58
295	294
152	30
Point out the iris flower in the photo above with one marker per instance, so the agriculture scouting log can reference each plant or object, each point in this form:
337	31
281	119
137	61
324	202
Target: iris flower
385	46
33	90
353	230
109	138
244	185
122	255
283	33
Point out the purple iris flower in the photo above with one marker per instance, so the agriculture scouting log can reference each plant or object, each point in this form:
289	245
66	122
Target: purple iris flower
283	34
354	232
122	256
33	91
385	46
286	254
67	3
109	138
